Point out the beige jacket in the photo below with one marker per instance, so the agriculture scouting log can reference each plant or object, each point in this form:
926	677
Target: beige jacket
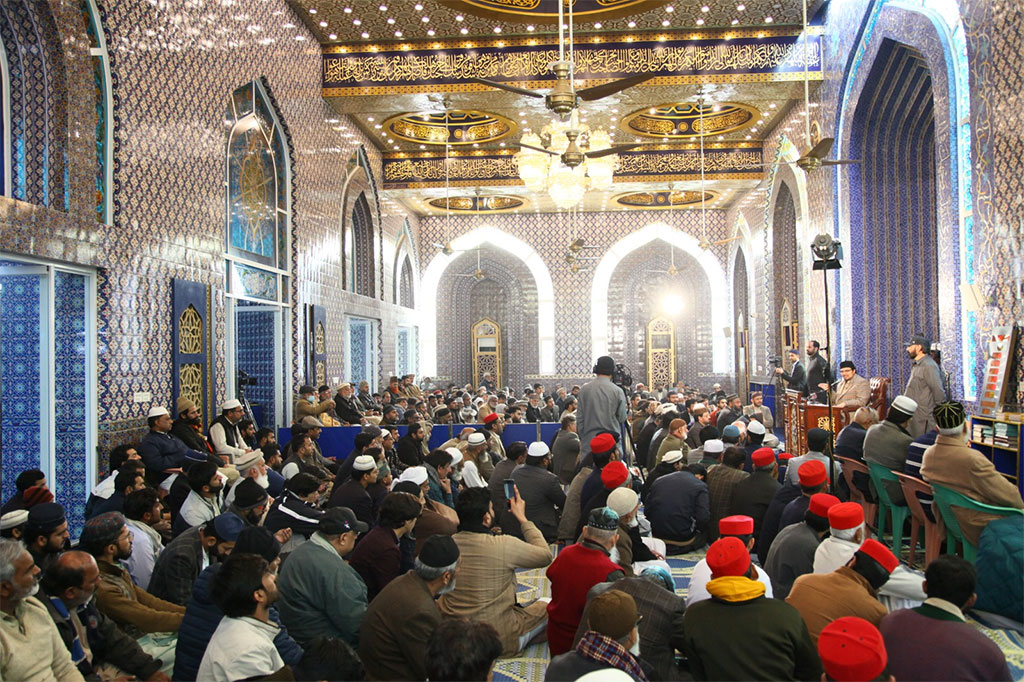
853	393
951	463
486	585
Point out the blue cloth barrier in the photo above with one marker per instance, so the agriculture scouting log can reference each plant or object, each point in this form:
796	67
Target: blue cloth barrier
334	441
548	431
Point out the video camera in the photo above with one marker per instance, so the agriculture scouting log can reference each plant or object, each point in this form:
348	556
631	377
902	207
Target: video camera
245	379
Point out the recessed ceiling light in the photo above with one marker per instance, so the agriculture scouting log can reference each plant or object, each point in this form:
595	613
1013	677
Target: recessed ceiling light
418	7
370	118
323	24
312	10
530	27
670	8
458	17
365	34
357	22
378	126
424	19
431	32
597	24
740	7
383	8
772	105
768	20
705	8
631	24
735	21
463	30
497	29
700	22
398	34
665	22
395	147
300	37
333	36
289	26
391	20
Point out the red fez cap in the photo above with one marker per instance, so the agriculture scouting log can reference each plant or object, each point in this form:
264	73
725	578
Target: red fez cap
37	494
602	442
763	457
728	556
821	503
811	473
852	650
785	456
736	525
613	475
493	416
845	515
880	553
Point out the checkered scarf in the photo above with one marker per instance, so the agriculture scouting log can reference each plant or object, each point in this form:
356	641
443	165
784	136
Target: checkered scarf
596	647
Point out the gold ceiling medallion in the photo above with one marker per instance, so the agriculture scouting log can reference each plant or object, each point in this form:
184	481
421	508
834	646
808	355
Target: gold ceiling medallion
660	200
459	127
684	120
484	204
546	11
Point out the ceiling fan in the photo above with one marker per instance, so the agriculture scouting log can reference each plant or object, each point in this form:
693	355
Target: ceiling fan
564	98
573	156
672	269
814	158
477	274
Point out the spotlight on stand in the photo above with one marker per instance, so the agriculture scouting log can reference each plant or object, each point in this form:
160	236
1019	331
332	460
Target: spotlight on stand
827	254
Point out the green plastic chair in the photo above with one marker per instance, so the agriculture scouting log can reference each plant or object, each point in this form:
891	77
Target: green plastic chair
945	500
880	473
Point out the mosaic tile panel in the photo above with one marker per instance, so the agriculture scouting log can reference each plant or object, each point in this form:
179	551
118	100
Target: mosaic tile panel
784	264
20	384
70	377
254	354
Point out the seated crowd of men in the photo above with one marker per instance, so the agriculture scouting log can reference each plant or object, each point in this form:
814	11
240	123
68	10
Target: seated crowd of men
222	556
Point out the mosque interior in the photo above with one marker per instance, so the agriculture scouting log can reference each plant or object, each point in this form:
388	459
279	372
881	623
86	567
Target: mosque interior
211	198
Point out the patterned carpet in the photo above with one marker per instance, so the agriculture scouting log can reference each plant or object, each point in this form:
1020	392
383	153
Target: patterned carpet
530	665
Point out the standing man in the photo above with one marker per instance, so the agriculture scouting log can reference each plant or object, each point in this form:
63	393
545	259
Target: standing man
602	405
565	450
818	374
541	490
924	385
797	379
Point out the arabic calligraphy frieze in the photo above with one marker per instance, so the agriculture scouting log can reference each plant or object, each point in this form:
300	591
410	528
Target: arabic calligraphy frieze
770	56
502	169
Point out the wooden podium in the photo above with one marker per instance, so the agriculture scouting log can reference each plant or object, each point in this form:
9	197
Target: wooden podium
802	416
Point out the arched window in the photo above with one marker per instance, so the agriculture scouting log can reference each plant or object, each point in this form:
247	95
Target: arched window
103	87
35	90
362	272
257	254
405	296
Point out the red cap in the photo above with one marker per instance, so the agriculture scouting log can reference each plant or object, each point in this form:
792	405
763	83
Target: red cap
845	515
785	456
493	416
852	650
880	553
613	475
736	525
728	556
762	457
811	473
37	494
821	502
602	442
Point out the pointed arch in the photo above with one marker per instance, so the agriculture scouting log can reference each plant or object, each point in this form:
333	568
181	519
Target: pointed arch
720	305
496	238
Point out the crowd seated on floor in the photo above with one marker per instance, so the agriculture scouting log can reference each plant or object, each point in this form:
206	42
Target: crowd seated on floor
218	555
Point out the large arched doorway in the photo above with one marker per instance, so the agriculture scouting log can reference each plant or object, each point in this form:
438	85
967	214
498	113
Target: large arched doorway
507	294
642	289
893	221
785	273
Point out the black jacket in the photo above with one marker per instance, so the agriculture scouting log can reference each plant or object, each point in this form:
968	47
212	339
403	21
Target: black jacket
773	517
752	496
409	451
290	511
177	568
797	379
347	410
108	642
817	373
190	437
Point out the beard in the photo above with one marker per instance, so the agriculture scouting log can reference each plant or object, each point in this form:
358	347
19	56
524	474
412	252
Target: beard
198	421
635	649
614	555
124	556
911	355
263	480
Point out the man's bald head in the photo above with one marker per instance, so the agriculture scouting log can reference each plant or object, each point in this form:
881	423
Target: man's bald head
73	576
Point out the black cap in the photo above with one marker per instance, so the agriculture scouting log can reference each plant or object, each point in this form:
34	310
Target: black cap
46	516
258	540
920	340
439	551
848	364
249	494
306	388
338	520
948	415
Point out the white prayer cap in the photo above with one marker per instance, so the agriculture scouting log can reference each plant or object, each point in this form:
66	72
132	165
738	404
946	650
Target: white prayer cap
456	455
538	449
476	438
904	404
417	475
364	463
756	427
672	456
13	519
157	411
713	446
665	408
622	501
230	404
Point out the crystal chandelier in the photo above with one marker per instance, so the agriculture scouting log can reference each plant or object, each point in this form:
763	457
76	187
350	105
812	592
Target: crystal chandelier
566	186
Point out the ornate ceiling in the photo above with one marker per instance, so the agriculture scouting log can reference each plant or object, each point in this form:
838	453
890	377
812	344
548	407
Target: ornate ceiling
733	55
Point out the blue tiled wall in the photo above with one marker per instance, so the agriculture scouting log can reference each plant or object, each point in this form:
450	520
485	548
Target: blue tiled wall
70	380
254	332
19	382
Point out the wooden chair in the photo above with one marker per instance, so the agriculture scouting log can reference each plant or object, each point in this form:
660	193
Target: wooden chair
879	476
850	466
933	530
945	500
879	400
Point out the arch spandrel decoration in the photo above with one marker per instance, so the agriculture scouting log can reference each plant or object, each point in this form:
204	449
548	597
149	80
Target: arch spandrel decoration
486	335
661	352
190	331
